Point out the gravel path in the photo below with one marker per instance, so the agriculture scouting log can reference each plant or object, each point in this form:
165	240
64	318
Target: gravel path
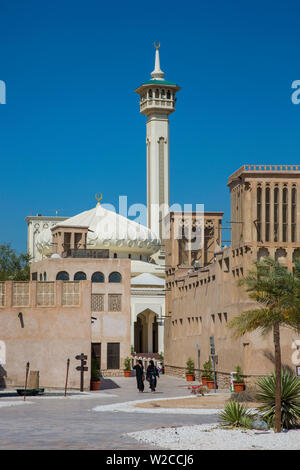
211	437
129	407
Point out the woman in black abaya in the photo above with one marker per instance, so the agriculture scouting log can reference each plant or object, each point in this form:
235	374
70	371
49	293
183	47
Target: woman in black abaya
152	373
139	371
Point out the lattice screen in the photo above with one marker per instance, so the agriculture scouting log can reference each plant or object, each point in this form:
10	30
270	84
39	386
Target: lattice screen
114	302
71	294
97	302
2	293
45	293
21	294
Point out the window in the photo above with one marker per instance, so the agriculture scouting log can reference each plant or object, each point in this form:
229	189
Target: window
150	93
96	354
115	255
114	302
267	208
98	277
62	276
156	93
293	214
284	214
34	276
168	95
113	355
97	302
276	192
79	276
115	277
258	214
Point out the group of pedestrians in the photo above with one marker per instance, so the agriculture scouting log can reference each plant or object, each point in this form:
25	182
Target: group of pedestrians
151	375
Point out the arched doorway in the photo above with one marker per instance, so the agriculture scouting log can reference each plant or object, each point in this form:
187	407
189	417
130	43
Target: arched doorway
146	332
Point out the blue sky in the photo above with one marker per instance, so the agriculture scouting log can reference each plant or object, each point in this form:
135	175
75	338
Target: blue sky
71	126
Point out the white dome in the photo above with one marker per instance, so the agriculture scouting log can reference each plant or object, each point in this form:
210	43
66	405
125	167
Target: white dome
109	230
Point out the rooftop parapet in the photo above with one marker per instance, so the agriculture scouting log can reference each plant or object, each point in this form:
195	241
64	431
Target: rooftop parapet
264	169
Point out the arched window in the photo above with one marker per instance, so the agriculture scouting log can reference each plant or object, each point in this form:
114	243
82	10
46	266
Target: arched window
62	276
79	276
294	214
276	215
258	213
150	93
284	213
168	95
156	93
45	276
129	256
115	255
267	214
163	93
98	277
115	277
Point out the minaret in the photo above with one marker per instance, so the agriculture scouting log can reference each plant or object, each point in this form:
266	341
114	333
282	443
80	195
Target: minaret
157	101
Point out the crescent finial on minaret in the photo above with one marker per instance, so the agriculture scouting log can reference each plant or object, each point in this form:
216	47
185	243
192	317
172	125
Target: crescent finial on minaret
157	73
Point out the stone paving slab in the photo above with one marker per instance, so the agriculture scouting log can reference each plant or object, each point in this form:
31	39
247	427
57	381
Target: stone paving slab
72	424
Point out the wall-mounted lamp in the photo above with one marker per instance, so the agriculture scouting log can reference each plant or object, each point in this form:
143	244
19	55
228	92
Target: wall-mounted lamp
20	315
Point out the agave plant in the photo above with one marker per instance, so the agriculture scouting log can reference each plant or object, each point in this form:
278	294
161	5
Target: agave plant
290	399
236	414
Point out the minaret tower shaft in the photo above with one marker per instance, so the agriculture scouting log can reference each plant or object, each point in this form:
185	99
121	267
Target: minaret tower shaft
157	101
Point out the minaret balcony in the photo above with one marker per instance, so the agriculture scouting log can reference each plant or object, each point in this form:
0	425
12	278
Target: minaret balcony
156	103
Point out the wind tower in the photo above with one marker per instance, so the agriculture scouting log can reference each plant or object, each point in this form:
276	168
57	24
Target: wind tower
157	101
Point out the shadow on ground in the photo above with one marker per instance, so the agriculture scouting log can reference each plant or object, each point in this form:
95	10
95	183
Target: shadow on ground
108	384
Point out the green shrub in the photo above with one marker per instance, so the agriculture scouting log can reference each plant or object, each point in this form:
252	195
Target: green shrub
95	370
290	399
190	365
127	363
235	414
207	370
238	379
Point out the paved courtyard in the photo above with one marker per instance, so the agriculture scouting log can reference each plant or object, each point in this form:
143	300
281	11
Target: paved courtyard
72	423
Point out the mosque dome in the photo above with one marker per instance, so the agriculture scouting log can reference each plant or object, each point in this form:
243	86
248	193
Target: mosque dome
106	230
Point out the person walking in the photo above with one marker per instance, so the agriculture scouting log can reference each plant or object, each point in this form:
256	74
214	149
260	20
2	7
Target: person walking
151	375
139	372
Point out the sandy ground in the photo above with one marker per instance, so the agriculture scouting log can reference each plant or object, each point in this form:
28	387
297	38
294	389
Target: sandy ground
213	401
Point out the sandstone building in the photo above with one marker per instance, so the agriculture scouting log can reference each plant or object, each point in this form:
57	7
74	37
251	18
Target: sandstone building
202	294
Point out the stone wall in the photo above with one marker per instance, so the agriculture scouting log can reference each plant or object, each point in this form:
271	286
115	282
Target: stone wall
223	378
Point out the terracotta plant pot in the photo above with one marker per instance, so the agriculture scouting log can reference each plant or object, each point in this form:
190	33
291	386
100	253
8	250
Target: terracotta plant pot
210	384
95	384
189	377
127	373
239	386
204	381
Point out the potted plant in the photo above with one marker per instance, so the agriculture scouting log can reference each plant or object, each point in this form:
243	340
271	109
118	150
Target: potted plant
190	365
161	359
238	383
207	373
127	364
95	374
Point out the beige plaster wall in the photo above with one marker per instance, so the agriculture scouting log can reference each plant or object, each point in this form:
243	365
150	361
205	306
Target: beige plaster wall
50	336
